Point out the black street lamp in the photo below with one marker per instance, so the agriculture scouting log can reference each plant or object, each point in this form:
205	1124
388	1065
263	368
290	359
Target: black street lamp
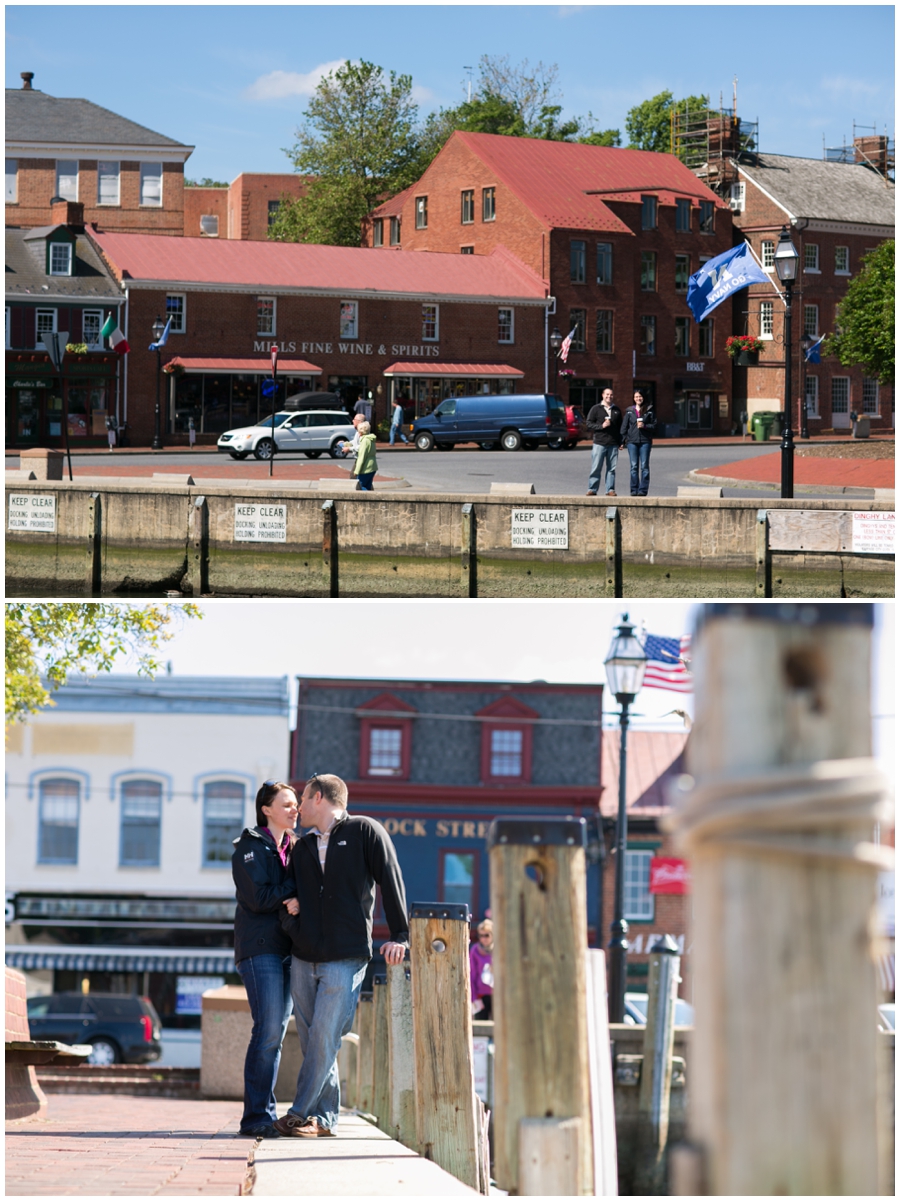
158	328
786	262
556	340
806	340
625	665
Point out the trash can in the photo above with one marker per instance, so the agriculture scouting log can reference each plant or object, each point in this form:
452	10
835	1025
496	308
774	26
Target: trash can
761	425
777	423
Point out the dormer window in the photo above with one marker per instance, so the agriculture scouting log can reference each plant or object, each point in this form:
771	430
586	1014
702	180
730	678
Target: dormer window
506	741
385	737
60	258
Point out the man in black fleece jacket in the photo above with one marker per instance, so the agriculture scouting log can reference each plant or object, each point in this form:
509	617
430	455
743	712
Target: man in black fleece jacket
336	867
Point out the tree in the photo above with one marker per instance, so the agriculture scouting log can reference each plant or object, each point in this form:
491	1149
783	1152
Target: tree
359	142
50	640
206	182
865	317
649	123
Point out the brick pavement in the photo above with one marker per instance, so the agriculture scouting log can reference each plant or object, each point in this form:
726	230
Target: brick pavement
808	469
109	1146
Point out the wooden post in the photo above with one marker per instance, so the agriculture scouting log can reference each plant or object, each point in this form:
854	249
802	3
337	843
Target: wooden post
446	1124
380	1055
656	1070
94	572
469	580
549	1157
539	909
603	1111
613	552
330	548
763	555
400	1053
365	1053
777	818
347	1069
197	580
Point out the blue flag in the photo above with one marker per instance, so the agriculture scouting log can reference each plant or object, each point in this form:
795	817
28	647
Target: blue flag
814	354
269	387
163	338
721	277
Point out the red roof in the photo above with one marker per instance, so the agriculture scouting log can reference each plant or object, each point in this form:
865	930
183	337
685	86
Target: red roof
319	269
654	758
558	181
247	366
423	367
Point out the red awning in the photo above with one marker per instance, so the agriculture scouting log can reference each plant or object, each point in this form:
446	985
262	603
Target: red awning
247	366
424	368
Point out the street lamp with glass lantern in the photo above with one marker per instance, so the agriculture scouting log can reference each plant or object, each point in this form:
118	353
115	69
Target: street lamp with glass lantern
556	340
625	665
786	262
158	329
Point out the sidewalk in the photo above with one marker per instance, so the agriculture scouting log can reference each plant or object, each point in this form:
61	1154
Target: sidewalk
809	470
103	1145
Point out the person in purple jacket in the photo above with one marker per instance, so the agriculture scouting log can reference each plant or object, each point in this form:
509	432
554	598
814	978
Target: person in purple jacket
481	973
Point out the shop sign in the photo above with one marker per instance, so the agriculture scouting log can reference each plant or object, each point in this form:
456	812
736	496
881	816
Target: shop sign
30	383
189	992
397	349
547	529
873	533
260	523
669	876
32	512
417	827
693	367
642	944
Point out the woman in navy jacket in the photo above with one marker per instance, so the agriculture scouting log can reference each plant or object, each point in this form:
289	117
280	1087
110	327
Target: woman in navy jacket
262	951
638	427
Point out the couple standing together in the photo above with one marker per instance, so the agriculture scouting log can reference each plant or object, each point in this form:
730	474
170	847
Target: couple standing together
611	431
303	937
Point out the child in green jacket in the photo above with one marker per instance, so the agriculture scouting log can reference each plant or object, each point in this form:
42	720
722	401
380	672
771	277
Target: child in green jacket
366	464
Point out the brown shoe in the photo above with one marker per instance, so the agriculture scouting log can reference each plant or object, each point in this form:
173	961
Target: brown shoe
322	1131
589	493
611	494
292	1125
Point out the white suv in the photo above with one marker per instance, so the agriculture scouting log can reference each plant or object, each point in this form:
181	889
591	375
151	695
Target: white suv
310	432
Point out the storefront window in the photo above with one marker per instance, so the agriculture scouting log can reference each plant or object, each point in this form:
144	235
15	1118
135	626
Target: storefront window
216	393
188	403
244	399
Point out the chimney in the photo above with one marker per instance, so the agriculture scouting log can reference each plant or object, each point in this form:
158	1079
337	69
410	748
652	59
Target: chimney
67	212
27	77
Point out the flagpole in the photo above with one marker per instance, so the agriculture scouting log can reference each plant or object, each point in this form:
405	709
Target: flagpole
274	406
762	268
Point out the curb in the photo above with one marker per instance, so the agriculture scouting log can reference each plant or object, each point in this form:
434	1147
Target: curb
725	481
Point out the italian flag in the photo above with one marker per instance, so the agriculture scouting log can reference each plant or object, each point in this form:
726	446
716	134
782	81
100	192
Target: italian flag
116	337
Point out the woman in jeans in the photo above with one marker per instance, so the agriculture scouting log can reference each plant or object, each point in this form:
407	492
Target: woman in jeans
366	463
638	428
262	950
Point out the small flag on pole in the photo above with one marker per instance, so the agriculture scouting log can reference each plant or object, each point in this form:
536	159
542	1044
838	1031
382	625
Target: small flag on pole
667	660
814	353
164	337
116	337
567	345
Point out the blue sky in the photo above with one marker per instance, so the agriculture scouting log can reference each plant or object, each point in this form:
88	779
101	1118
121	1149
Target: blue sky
233	80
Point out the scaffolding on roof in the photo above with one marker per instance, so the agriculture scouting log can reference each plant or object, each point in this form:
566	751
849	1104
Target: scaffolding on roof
872	148
709	141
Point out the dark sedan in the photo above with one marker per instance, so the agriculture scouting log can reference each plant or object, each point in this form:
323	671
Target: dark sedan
120	1029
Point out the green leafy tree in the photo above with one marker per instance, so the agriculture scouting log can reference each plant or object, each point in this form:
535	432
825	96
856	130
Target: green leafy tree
649	124
47	641
359	143
206	182
865	317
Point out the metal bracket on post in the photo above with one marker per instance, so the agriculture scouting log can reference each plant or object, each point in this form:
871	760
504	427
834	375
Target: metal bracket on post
330	548
763	555
94	566
469	579
613	552
197	579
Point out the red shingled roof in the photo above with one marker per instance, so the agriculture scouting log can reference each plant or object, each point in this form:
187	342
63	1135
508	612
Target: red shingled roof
298	266
654	758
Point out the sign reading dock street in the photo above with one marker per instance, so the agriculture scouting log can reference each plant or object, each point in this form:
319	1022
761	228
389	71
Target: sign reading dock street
260	523
30	511
547	529
873	533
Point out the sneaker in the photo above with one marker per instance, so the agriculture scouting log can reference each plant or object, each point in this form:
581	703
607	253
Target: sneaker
293	1125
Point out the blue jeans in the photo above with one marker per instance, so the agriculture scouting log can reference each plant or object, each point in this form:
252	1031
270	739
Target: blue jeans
600	456
267	979
325	996
395	430
639	456
365	480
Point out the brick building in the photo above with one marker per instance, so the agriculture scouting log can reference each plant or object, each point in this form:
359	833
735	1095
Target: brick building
245	210
835	212
615	233
342	318
436	762
125	176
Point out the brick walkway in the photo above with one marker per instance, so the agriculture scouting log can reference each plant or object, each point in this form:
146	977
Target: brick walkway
108	1146
222	470
808	469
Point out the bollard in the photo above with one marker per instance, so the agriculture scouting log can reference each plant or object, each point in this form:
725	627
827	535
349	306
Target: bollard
400	1054
446	1123
330	562
197	579
469	559
365	1053
656	1070
380	1059
613	553
539	909
777	818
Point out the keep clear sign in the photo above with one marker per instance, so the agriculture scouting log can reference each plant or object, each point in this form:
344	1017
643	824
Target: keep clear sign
260	523
873	533
31	511
543	528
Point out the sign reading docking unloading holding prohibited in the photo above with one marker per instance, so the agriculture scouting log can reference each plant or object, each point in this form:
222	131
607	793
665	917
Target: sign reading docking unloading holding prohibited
260	523
543	528
30	511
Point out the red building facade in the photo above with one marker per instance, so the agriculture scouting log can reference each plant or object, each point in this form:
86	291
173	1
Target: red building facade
244	211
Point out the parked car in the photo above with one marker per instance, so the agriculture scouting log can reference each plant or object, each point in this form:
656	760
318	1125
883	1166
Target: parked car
575	430
636	1010
120	1029
508	421
307	432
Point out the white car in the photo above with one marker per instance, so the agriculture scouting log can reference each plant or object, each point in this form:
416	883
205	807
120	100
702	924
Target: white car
311	432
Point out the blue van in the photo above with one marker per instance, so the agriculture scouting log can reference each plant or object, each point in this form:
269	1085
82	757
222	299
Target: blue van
507	421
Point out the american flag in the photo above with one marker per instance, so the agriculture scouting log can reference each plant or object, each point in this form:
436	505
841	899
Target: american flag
567	345
667	660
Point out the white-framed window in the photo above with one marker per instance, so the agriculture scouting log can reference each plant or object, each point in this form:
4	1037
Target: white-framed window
707	216
639	899
141	822
385	750
44	323
209	225
151	184
421	212
430	320
505	325
604	331
766	318
811	258
506	753
604	263
349	319
223	820
811	320
738	197
58	814
467	206
395	231
60	258
648	212
176	304
67	179
842	260
682	215
682	336
705	338
648	335
840	394
265	315
870	396
378	231
812	396
91	324
767	254
108	183
488	204
12	181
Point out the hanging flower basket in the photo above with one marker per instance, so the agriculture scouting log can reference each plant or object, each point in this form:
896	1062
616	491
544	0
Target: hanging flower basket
744	349
173	368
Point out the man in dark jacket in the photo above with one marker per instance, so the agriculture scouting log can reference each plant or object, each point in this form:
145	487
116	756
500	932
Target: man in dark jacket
336	866
604	421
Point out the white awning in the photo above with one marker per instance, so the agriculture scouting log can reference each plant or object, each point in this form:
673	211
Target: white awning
189	960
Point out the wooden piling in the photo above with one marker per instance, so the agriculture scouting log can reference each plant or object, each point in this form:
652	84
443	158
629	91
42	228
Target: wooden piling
539	910
446	1123
777	818
197	577
603	1111
549	1157
380	1055
365	1055
656	1070
400	1054
94	558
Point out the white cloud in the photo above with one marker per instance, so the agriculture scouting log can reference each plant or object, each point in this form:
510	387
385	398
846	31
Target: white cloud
840	86
421	94
571	10
277	85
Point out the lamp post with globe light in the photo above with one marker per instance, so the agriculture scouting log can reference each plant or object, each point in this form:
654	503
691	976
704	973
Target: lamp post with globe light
158	328
786	262
556	340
